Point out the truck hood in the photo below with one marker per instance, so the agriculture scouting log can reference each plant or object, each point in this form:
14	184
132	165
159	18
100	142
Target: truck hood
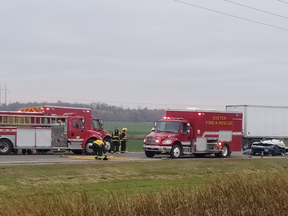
161	135
157	138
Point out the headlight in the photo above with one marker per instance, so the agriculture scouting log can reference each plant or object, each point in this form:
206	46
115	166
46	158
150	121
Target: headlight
157	140
167	142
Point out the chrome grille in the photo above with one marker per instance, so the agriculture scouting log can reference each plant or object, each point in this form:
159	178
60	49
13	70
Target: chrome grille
150	140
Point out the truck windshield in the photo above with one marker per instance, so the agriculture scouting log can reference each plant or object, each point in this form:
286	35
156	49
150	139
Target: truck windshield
165	126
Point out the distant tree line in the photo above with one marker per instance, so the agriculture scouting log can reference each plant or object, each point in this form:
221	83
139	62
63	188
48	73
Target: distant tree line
99	110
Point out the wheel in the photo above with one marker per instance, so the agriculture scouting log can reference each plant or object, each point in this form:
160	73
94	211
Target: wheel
29	151
224	153
149	154
77	151
5	147
245	144
88	147
175	151
107	140
24	151
200	155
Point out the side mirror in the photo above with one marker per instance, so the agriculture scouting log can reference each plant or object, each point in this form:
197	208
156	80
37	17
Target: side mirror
153	129
101	122
81	126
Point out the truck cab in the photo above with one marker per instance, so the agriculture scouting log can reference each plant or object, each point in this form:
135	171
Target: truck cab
171	136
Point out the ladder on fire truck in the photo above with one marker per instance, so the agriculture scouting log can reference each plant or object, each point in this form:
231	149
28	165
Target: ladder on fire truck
27	120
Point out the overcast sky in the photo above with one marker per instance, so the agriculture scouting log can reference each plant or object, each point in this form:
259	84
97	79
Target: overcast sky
147	53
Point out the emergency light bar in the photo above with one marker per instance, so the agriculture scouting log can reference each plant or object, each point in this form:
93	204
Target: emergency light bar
169	118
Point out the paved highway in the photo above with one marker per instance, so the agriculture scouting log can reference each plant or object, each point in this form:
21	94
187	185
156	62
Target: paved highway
72	158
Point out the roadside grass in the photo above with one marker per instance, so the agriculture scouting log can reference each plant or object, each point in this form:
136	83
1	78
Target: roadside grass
134	129
134	145
169	187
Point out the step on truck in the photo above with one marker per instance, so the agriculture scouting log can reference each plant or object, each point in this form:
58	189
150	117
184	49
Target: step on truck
42	132
195	132
90	122
262	123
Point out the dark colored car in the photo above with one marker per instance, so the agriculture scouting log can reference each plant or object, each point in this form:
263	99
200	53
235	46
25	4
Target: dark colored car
267	148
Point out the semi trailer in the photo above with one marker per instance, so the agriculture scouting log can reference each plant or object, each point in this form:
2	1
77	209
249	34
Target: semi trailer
262	123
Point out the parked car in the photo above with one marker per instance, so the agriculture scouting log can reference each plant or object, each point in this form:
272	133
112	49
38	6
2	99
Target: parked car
273	147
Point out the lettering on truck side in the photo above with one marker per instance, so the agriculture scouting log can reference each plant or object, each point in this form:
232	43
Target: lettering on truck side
219	120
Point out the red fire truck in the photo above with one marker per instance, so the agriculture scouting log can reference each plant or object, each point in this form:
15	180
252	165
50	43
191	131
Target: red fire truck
195	132
90	121
47	129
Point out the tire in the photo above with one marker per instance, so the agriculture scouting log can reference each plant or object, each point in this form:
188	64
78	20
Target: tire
245	144
149	154
78	152
107	140
29	151
176	151
88	147
5	147
224	153
24	151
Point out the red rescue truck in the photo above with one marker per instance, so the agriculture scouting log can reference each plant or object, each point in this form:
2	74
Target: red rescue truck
90	122
195	132
40	131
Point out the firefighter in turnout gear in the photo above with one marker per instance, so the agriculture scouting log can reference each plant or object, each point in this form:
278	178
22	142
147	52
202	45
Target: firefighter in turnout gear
99	148
123	140
115	141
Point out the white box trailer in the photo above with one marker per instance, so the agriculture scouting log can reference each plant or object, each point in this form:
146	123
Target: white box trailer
262	122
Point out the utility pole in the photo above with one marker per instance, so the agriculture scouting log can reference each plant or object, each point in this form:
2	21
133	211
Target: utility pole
5	90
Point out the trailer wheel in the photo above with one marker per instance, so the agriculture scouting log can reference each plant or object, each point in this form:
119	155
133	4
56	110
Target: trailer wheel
107	140
88	147
175	151
149	154
5	147
245	144
24	151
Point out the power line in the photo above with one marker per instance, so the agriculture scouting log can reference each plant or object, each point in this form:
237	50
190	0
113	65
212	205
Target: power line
282	1
263	11
231	15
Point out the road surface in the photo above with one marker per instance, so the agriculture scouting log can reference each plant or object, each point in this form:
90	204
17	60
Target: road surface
72	158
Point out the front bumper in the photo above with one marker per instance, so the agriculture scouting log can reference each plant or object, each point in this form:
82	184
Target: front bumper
156	148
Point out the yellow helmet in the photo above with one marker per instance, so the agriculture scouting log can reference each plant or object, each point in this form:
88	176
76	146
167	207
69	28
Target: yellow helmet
124	129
